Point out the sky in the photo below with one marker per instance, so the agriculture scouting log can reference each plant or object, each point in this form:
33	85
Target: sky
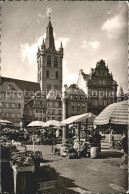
90	31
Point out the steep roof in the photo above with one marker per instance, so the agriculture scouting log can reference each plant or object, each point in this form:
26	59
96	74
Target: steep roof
22	84
27	87
86	77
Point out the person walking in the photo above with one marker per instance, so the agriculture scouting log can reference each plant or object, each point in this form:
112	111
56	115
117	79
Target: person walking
111	139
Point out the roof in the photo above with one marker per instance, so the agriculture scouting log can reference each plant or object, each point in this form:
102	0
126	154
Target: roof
22	84
54	94
73	89
86	77
25	86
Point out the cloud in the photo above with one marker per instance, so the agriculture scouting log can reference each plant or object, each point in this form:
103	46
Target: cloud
86	44
28	52
64	42
70	79
114	26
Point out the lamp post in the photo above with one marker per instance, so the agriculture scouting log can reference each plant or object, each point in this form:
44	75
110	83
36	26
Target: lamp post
64	114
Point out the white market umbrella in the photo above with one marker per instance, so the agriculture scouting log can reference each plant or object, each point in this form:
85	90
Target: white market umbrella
116	113
36	124
5	122
54	123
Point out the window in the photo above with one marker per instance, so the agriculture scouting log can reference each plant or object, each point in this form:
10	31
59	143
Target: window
9	87
55	62
59	104
7	115
59	118
56	74
13	115
103	82
7	105
60	112
44	110
53	111
44	119
19	105
53	118
47	74
18	115
49	111
49	60
13	105
53	104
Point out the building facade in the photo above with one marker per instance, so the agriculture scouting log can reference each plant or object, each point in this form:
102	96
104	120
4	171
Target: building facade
12	103
54	105
36	108
99	86
49	61
14	95
76	101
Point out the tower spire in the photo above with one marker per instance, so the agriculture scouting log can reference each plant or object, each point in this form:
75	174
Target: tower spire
49	41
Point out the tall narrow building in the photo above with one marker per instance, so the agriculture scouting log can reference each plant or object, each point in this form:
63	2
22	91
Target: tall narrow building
49	61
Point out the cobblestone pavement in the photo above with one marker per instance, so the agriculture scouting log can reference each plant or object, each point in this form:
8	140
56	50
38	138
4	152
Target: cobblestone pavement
87	175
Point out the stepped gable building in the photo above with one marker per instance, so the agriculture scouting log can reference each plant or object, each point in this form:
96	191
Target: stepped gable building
99	86
14	94
76	101
49	61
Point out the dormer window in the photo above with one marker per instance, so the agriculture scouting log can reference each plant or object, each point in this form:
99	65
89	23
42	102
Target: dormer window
9	87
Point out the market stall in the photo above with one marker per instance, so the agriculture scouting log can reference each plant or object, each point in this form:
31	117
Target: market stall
115	115
77	147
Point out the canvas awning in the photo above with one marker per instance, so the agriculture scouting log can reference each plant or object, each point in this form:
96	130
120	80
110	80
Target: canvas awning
79	118
116	113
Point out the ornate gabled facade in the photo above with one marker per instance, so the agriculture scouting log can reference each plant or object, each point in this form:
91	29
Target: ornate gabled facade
99	86
49	61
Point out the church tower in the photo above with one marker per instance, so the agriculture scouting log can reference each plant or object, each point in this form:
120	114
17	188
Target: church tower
49	61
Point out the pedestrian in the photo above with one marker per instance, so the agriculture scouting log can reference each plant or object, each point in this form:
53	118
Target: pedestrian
124	164
111	139
96	138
